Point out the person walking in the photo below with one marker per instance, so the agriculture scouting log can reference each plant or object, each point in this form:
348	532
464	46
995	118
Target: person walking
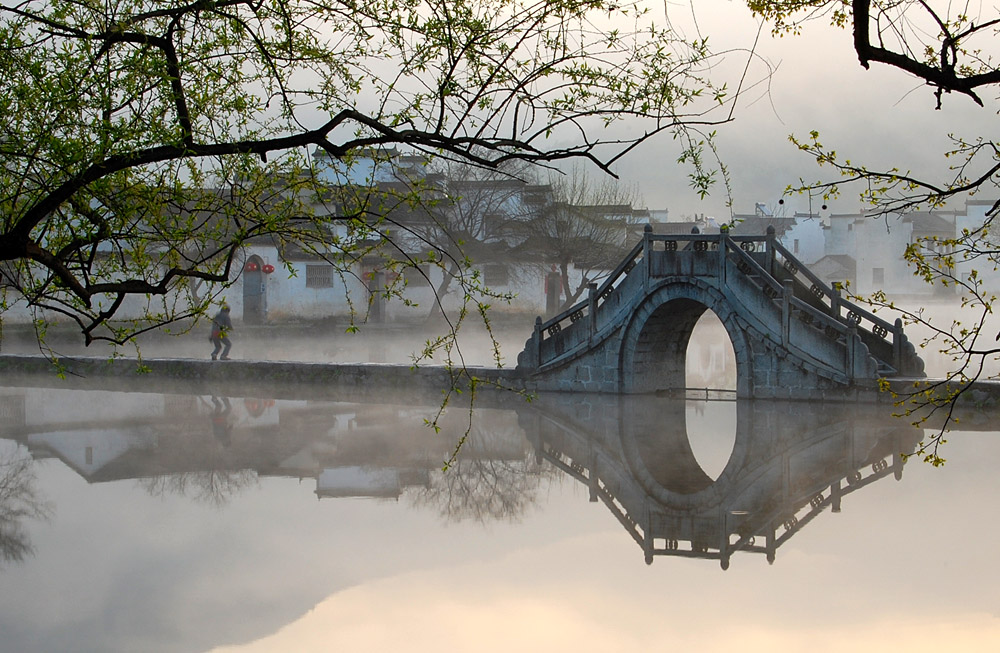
222	324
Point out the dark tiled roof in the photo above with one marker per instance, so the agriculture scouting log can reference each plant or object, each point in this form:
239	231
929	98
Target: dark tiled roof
933	222
674	227
756	225
841	264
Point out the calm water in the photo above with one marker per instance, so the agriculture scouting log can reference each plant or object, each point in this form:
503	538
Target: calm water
164	522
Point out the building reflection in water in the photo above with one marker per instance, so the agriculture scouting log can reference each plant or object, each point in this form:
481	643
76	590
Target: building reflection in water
788	464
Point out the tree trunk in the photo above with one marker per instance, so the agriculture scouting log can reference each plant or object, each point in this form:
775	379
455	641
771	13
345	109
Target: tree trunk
436	305
570	295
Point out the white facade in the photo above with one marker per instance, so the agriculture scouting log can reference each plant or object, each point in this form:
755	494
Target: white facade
877	246
974	218
317	291
805	239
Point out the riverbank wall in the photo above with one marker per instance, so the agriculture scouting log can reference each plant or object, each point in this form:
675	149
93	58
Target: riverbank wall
346	381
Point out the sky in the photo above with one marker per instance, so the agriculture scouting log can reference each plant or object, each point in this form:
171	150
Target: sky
879	117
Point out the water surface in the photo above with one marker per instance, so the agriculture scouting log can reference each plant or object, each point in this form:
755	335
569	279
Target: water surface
167	522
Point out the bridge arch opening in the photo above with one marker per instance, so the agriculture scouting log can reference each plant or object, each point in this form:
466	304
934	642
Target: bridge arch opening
681	450
711	434
685	335
710	361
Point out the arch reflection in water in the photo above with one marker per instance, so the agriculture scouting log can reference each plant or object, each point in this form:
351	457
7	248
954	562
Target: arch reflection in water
789	461
788	465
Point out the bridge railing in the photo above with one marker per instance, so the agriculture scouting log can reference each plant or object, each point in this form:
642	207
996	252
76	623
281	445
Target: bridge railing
741	246
741	249
783	291
597	295
856	316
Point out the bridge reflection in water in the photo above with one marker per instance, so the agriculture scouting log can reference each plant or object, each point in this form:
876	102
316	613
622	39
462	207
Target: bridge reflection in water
633	453
787	466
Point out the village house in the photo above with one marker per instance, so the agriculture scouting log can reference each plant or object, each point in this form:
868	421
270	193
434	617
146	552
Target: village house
801	234
856	247
515	233
523	244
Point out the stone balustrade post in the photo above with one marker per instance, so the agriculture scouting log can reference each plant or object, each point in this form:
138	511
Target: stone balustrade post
537	340
852	337
647	247
723	239
647	536
592	483
787	293
769	251
592	307
897	345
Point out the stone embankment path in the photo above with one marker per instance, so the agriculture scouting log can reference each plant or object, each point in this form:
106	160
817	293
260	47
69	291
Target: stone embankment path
330	381
250	377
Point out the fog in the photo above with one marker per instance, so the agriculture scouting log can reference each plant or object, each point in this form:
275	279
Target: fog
880	117
164	521
310	524
710	359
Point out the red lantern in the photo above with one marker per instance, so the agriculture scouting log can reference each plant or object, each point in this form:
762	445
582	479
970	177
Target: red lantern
252	267
268	268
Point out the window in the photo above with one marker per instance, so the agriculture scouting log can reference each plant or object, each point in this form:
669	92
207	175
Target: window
496	275
795	246
878	276
12	410
319	276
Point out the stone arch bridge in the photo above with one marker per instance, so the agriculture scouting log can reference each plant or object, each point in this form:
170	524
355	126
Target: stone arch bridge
794	336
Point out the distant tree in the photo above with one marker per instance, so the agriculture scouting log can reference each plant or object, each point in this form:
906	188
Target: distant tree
144	143
471	216
953	49
584	226
469	221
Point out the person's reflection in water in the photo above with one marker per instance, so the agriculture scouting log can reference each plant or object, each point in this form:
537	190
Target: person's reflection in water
222	427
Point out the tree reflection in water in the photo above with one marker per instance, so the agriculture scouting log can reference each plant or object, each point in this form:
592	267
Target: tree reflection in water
212	486
19	501
490	481
220	470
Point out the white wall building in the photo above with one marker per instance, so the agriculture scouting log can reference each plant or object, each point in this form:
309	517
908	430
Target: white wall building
801	234
868	250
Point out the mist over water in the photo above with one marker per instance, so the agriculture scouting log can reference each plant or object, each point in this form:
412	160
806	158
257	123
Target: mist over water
170	521
317	342
200	522
710	358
